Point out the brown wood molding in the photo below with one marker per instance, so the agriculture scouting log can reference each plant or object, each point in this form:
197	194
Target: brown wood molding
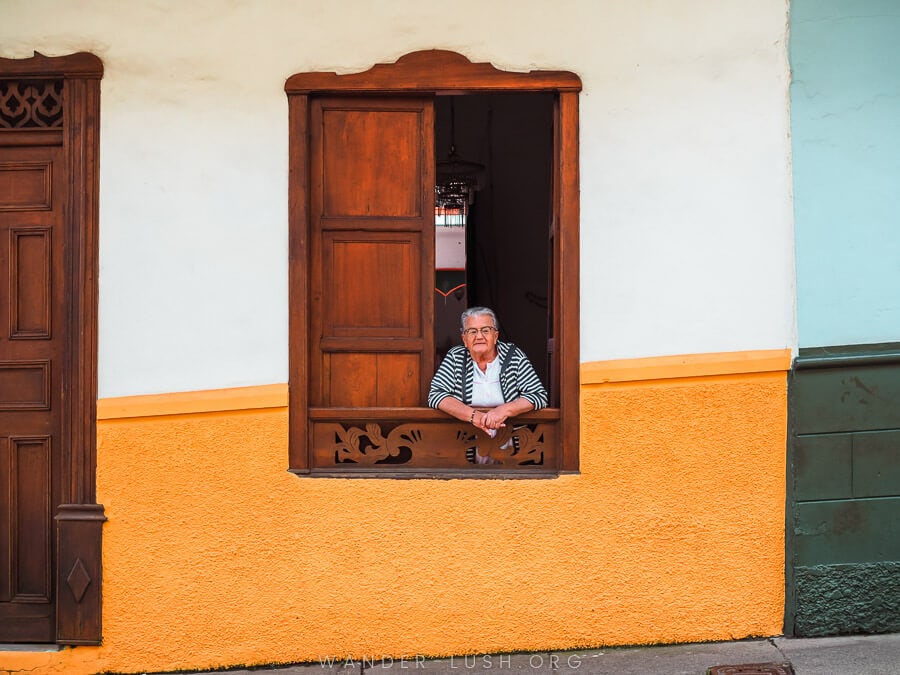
433	70
413	414
79	573
79	519
80	64
83	137
36	137
567	283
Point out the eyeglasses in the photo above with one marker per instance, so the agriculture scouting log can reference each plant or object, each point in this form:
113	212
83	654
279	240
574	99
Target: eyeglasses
472	332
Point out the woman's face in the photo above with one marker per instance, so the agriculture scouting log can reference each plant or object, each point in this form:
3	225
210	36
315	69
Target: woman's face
482	342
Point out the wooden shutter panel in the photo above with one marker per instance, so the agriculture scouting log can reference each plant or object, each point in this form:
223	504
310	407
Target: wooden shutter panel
372	251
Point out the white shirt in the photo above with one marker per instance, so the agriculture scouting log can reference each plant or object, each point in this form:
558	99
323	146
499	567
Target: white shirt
486	390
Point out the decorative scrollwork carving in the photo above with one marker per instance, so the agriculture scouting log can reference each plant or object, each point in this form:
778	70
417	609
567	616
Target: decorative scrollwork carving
418	444
350	446
31	104
519	446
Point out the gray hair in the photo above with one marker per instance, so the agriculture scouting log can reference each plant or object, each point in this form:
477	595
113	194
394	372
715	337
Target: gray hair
477	311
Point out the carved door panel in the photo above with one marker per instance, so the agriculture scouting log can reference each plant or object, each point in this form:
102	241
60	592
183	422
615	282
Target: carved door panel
32	337
372	213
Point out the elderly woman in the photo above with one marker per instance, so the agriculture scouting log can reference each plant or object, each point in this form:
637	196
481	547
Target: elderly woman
484	381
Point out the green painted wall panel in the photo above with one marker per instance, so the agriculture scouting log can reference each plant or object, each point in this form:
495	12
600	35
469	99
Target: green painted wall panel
843	542
831	400
876	464
844	466
846	531
848	599
823	467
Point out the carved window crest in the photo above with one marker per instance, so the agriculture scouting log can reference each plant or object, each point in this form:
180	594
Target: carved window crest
31	104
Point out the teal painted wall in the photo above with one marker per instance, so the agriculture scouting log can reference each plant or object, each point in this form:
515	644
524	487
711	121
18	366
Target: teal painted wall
845	124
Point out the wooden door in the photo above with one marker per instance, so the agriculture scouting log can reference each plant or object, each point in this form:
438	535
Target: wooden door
32	341
372	251
50	523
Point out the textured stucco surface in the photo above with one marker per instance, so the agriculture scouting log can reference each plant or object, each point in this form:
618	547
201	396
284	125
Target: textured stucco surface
214	555
861	598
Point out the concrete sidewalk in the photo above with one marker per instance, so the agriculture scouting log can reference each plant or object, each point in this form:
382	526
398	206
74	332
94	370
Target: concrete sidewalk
846	655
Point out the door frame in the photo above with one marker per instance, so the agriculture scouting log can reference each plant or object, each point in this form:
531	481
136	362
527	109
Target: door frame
79	518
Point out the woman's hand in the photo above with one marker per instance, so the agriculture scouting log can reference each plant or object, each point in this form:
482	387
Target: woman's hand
481	422
490	420
493	419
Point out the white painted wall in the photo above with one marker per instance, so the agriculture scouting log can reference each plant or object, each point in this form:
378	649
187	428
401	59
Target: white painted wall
686	221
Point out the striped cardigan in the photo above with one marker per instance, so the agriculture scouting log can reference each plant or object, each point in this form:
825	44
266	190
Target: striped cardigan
455	375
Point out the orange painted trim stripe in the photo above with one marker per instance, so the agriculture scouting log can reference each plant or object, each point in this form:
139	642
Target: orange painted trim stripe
596	372
686	365
182	403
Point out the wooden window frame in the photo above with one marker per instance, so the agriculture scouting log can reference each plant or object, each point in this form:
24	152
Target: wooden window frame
435	72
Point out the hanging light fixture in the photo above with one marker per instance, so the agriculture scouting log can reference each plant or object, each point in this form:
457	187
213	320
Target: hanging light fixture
457	179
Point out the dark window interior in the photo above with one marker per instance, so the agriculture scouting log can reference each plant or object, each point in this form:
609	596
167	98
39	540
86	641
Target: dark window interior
506	229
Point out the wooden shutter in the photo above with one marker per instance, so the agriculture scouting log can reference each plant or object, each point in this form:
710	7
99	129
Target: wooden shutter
372	251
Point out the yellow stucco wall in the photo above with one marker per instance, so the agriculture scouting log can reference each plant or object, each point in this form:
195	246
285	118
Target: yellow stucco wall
215	555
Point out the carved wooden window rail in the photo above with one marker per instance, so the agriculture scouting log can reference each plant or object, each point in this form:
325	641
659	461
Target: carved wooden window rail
417	441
